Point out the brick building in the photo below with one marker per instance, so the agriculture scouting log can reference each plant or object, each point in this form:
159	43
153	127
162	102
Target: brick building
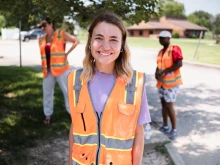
152	28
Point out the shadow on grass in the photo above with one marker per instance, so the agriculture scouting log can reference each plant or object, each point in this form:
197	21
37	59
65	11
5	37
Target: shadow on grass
21	113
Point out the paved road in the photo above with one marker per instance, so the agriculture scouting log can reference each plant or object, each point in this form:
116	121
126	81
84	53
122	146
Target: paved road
197	106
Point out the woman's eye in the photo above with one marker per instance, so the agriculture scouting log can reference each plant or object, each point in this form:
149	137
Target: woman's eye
114	40
98	38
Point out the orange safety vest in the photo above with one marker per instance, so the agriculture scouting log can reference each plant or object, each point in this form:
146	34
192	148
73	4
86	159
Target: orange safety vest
166	61
107	139
58	60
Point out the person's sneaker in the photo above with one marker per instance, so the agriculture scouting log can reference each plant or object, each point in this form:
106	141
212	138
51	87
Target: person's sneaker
172	135
164	129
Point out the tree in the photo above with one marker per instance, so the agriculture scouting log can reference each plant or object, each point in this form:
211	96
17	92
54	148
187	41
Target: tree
201	18
172	8
216	24
31	11
2	21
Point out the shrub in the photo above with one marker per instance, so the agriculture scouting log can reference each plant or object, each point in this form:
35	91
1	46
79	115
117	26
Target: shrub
193	36
175	35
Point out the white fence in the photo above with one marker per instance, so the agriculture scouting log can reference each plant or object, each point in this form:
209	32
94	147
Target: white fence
7	34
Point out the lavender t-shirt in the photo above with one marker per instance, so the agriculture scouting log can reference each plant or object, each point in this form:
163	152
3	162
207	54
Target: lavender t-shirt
99	94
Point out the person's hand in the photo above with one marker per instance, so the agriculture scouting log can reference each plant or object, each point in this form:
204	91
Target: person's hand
157	75
66	55
164	73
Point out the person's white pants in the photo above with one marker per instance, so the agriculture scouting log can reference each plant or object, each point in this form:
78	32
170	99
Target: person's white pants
48	91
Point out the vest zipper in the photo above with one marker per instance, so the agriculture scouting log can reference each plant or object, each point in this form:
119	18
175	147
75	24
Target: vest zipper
99	134
84	124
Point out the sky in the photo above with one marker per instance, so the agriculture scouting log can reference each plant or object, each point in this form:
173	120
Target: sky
210	6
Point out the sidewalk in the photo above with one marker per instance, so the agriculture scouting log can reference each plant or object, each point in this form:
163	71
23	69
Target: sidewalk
158	138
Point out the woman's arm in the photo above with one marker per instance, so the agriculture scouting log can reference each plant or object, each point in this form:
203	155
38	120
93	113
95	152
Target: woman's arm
138	146
70	38
70	144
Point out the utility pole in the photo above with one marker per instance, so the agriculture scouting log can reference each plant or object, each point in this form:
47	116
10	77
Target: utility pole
20	42
200	36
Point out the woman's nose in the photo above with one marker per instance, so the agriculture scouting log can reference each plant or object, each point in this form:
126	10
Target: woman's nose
105	44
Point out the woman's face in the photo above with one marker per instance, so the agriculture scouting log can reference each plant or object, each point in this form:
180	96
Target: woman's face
106	44
45	26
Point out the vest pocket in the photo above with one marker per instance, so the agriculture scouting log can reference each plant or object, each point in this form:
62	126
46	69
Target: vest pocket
126	121
126	109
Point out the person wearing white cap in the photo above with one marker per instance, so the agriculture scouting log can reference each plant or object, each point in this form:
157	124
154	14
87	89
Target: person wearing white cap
169	61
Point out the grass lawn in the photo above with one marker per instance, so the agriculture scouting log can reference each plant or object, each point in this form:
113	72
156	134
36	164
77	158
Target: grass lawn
208	51
21	114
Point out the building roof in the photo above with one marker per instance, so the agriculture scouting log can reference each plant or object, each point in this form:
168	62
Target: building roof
149	25
156	24
186	24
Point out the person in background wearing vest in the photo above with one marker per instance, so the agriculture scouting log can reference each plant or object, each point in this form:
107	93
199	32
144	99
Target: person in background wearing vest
169	61
107	100
55	65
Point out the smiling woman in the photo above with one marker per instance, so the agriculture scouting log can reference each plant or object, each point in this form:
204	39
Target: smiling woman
107	99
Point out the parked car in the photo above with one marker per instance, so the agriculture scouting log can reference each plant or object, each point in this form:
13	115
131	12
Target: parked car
33	34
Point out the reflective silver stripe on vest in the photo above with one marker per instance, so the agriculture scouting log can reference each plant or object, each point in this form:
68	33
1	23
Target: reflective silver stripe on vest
130	88
75	163
171	81
59	36
77	84
90	139
41	39
109	143
57	54
59	65
169	52
43	57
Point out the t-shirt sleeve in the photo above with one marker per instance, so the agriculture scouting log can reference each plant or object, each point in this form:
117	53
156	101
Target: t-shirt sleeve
177	53
144	116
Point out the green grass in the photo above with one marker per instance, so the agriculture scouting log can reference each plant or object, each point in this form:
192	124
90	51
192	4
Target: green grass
208	51
21	113
162	149
208	35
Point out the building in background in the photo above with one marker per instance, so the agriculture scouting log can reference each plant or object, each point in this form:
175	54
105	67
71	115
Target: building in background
184	28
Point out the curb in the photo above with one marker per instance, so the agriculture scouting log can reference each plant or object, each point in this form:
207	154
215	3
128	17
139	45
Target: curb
200	64
157	138
175	156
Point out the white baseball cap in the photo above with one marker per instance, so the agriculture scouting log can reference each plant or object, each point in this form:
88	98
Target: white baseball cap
165	33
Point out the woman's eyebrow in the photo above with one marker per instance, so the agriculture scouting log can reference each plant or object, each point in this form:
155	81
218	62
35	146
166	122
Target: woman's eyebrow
114	37
99	35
